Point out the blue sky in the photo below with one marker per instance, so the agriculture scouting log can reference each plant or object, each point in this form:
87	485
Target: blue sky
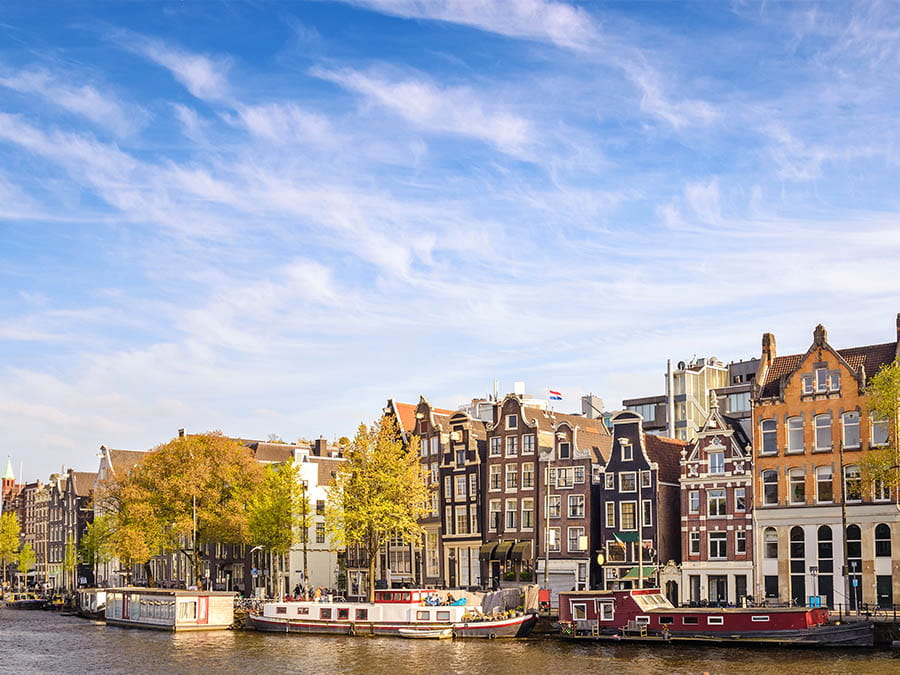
271	217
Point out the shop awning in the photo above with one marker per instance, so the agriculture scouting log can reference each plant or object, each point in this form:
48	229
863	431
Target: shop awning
484	553
521	551
634	572
501	553
626	537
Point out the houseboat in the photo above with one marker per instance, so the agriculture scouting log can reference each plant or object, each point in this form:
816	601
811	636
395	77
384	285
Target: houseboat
169	609
92	603
647	615
396	613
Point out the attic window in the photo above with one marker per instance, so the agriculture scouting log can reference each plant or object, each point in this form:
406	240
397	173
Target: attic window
627	451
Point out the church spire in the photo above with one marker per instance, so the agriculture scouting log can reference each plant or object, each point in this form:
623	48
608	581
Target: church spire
8	474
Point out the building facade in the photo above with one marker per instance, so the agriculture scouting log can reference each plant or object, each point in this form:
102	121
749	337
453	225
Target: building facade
717	513
812	429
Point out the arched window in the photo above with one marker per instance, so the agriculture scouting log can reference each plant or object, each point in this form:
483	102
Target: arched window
883	540
824	484
795	434
767	429
823	432
854	558
825	561
770	539
797	478
852	483
770	487
850	423
798	564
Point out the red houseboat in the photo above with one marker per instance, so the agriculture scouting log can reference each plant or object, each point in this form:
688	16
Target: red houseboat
647	615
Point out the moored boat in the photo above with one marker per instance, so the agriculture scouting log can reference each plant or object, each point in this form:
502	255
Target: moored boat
646	615
392	612
24	601
169	609
92	603
426	633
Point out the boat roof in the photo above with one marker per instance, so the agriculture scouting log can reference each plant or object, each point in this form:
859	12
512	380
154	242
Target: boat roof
166	591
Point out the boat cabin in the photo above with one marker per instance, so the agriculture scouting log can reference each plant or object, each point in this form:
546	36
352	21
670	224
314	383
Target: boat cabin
169	609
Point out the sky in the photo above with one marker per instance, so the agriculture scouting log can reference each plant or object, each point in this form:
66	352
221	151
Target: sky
270	217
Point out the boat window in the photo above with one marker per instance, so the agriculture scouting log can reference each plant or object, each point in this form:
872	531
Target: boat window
362	614
423	615
325	613
343	613
687	620
303	610
281	609
666	619
606	611
405	597
443	616
715	620
579	611
642	619
759	618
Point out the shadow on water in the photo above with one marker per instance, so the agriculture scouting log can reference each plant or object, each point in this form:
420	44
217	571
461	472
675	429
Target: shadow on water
42	642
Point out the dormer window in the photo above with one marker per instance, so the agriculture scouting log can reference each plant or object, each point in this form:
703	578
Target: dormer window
717	463
564	450
627	451
512	421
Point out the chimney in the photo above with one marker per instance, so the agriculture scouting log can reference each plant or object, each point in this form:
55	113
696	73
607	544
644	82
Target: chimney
320	446
768	348
820	335
181	433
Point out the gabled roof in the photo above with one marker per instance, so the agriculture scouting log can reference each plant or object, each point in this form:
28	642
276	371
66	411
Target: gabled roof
121	461
326	466
666	452
406	412
272	453
83	482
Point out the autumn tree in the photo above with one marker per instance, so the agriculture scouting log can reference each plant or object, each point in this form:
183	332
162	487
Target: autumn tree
189	492
279	514
379	492
9	541
96	542
70	562
26	561
883	399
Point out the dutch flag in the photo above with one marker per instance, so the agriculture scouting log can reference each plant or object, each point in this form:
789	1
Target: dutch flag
555	395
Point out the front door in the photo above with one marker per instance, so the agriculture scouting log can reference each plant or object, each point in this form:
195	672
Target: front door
740	587
883	587
718	589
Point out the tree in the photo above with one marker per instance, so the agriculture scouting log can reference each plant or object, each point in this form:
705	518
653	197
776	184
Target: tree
184	494
379	492
883	400
9	540
96	542
70	562
279	513
26	561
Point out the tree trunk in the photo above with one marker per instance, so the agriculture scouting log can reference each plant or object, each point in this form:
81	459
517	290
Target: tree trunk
372	577
198	569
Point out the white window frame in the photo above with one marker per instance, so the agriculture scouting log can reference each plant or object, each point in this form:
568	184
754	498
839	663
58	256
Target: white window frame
646	479
512	446
822	469
635	516
715	494
574	500
496	448
764	433
694	543
511	477
610	515
529	484
647	513
720	538
694	501
821	426
578	532
527	502
609	481
528	444
633	476
512	422
719	469
851	415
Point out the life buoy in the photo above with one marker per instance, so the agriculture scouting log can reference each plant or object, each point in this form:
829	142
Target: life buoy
491	636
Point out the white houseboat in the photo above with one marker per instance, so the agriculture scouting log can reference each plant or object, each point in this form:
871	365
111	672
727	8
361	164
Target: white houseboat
397	613
92	603
169	609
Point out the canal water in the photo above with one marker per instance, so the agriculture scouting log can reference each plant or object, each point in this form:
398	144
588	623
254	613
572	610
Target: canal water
44	642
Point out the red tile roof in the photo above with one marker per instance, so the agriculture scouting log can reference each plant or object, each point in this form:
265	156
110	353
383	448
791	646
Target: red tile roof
407	414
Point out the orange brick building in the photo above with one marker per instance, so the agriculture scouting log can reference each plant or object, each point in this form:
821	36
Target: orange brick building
811	427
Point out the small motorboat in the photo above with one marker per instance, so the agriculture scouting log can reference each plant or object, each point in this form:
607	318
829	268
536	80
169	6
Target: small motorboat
25	601
426	634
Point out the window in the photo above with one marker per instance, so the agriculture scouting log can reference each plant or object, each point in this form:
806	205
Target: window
715	502
511	508
343	613
770	542
320	507
579	611
528	444
528	475
795	434
512	446
565	477
443	615
435	445
770	487
512	422
647	513
740	499
448	487
610	514
575	542
823	432
473	484
494	522
880	431
717	463
852	484
627	515
689	620
462	520
448	518
715	620
423	615
527	514
606	611
461	457
554	539
609	481
627	453
565	450
824	484
461	486
768	432
718	544
797	489
646	479
882	541
495	446
850	423
473	520
512	476
495	477
320	533
694	501
576	506
880	491
325	613
695	543
647	411
739	402
627	481
578	475
740	542
555	505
